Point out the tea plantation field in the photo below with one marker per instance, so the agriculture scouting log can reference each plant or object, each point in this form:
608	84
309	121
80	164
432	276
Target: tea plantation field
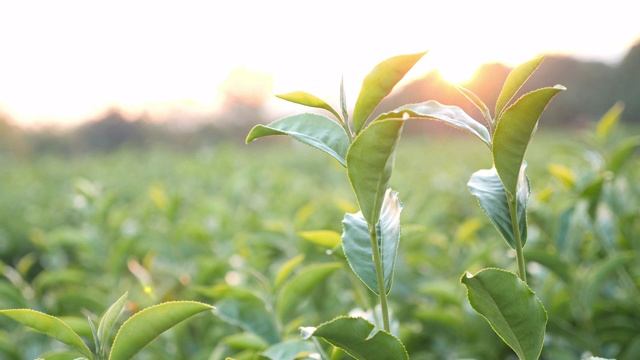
235	226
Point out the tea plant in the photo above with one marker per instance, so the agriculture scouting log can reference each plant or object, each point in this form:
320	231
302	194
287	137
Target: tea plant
136	333
370	239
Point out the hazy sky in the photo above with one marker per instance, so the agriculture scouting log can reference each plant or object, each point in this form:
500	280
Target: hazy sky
67	60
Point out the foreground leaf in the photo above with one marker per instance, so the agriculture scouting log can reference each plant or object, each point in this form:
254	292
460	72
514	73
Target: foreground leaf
510	307
108	319
50	326
379	83
358	338
312	129
370	163
516	78
143	327
357	244
486	186
514	132
304	98
296	290
450	115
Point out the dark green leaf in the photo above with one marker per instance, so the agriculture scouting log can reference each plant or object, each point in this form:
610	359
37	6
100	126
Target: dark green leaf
511	308
379	83
50	326
433	110
359	338
357	244
303	98
487	187
143	327
516	78
311	129
370	162
514	132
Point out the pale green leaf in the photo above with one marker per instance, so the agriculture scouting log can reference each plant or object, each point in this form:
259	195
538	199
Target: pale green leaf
475	100
325	238
516	78
108	320
303	98
370	163
357	243
514	132
343	102
143	327
250	313
608	121
359	338
379	83
433	110
511	308
486	186
297	289
312	129
622	152
50	326
286	269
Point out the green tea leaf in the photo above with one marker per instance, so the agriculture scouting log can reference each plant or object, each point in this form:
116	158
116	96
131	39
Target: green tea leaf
511	308
244	341
287	269
325	238
370	162
143	327
622	152
514	132
250	313
516	78
303	98
312	129
475	100
343	102
296	290
486	186
357	244
50	326
608	121
292	349
433	110
379	83
359	338
108	319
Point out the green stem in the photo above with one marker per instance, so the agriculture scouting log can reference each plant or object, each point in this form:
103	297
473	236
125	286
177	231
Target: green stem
522	270
382	292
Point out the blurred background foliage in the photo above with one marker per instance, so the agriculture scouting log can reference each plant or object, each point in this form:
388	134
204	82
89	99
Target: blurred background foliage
172	211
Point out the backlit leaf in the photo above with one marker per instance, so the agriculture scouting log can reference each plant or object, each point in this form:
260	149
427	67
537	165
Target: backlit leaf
359	338
379	83
312	129
514	132
516	78
143	327
475	100
303	98
511	308
370	163
357	244
433	110
608	122
108	319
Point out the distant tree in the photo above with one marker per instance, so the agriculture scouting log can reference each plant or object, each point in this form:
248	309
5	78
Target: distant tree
110	132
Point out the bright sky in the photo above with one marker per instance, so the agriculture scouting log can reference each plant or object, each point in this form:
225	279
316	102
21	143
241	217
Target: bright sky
64	61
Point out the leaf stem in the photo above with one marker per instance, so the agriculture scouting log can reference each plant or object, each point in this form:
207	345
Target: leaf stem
382	292
522	271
